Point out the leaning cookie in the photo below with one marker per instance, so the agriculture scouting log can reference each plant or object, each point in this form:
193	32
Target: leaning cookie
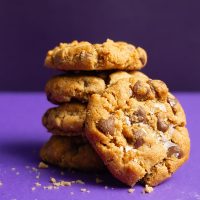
86	56
65	88
138	129
67	119
71	152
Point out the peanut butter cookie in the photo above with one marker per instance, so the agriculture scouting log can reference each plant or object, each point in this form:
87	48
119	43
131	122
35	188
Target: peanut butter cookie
71	152
138	129
86	56
65	88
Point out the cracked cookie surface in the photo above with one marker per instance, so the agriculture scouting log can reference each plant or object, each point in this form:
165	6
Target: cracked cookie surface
71	152
86	56
66	88
138	129
67	119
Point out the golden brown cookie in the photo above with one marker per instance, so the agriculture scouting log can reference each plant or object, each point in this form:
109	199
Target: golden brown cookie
67	119
138	129
65	88
71	152
86	56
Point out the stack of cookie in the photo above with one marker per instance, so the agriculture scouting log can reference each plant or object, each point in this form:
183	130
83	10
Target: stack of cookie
120	120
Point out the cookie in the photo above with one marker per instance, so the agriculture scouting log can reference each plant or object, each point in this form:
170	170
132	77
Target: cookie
67	119
71	152
86	56
65	88
138	129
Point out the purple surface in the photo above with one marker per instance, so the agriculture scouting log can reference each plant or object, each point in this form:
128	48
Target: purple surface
21	136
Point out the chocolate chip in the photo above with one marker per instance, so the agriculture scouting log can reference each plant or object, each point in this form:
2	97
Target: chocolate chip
139	141
86	83
162	125
142	91
141	115
106	126
175	150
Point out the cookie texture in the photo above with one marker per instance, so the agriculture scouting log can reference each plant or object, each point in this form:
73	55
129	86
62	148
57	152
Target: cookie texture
138	129
66	88
86	56
67	119
71	152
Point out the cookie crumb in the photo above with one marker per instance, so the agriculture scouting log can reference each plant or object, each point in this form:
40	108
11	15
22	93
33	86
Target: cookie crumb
106	187
83	190
42	165
1	183
52	180
13	169
33	188
80	182
148	189
34	169
131	190
17	173
98	180
37	184
37	177
72	193
49	187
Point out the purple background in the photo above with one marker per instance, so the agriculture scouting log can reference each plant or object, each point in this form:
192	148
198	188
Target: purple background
22	135
168	30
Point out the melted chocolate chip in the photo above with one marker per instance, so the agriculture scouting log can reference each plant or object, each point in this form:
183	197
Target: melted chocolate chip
175	150
162	125
106	126
142	91
141	115
139	141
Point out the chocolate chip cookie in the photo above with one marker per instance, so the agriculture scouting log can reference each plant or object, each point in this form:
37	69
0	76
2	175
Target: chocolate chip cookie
67	119
71	152
86	56
65	88
138	129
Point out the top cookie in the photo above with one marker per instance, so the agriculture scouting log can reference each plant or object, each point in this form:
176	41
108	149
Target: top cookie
86	56
138	129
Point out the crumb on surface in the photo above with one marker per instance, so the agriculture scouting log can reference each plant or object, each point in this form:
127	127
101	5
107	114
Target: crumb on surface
72	193
52	180
106	187
34	169
80	182
49	187
37	184
98	180
37	177
43	165
83	190
131	190
1	183
148	189
13	168
33	188
17	173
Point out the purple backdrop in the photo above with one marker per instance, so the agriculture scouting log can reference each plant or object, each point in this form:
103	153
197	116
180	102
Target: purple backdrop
169	30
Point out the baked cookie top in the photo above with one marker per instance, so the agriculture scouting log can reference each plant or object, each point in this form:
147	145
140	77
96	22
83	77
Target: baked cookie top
67	119
86	56
138	129
80	86
71	152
